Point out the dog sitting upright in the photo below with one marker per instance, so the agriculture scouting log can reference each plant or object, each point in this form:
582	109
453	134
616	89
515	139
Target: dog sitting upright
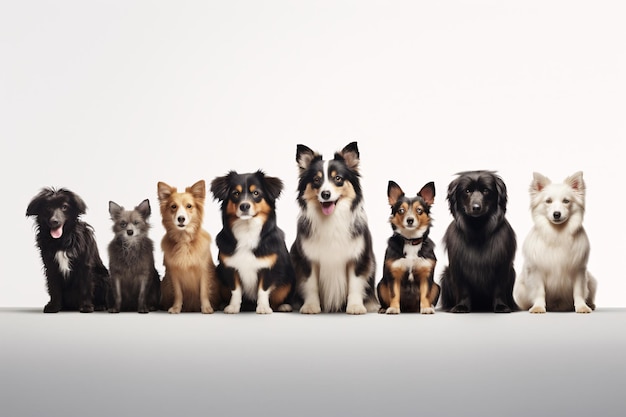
77	279
332	253
253	259
556	250
189	283
135	283
408	274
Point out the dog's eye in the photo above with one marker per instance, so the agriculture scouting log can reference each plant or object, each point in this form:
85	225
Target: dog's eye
338	178
136	223
419	210
468	191
173	206
486	190
65	207
549	201
317	180
565	201
401	211
123	225
188	206
236	193
256	193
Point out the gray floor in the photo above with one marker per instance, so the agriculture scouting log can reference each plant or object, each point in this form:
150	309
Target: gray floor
327	365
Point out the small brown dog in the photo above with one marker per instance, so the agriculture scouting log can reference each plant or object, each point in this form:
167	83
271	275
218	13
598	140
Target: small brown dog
190	283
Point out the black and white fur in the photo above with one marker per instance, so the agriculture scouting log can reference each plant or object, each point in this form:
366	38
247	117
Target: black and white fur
332	253
76	277
135	283
481	246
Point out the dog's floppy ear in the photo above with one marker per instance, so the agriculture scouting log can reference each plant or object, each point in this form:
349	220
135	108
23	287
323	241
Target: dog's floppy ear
77	202
273	185
538	183
34	206
220	186
428	193
164	191
502	193
394	193
198	190
350	154
144	208
114	209
452	192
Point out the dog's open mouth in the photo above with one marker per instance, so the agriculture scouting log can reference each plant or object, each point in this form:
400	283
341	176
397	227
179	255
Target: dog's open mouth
328	207
56	233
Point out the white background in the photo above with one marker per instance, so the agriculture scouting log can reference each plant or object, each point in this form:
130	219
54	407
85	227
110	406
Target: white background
107	98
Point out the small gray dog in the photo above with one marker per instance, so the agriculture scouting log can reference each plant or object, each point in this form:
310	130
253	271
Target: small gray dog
135	283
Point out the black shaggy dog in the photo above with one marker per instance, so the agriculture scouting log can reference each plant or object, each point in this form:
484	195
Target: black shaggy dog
77	278
481	246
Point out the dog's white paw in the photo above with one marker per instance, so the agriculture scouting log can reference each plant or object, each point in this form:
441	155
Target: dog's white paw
264	309
356	309
537	309
310	308
584	308
174	310
285	308
427	310
229	309
206	309
392	310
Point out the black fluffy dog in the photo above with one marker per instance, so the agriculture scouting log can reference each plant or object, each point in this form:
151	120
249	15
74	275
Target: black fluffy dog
481	246
77	278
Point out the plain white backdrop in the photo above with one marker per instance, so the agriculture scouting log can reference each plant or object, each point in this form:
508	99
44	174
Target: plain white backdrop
107	98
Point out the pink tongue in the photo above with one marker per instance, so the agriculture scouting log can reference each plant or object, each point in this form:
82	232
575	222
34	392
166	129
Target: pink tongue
56	233
328	208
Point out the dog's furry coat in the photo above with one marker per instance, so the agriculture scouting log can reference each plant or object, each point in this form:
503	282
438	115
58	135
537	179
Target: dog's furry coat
556	250
76	276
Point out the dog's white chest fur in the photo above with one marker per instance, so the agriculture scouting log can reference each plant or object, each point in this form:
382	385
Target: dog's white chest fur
65	265
248	233
411	259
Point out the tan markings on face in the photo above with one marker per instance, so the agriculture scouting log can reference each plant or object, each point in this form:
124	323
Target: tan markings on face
422	217
347	191
262	209
398	218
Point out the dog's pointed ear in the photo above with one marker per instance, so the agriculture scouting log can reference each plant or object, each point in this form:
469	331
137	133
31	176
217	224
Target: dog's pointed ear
144	208
164	191
304	156
78	202
394	193
350	154
114	209
198	190
539	182
273	185
220	186
576	181
34	206
428	193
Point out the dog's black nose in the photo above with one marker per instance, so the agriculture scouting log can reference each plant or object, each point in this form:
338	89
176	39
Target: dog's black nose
129	232
325	195
476	207
181	219
410	221
244	207
556	215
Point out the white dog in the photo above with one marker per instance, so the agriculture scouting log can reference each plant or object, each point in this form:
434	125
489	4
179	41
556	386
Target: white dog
556	250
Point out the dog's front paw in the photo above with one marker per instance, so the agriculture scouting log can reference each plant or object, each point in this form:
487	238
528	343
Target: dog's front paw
52	308
460	308
264	309
537	309
501	308
427	310
229	309
356	309
114	310
174	310
87	308
310	308
584	309
206	309
285	308
392	310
